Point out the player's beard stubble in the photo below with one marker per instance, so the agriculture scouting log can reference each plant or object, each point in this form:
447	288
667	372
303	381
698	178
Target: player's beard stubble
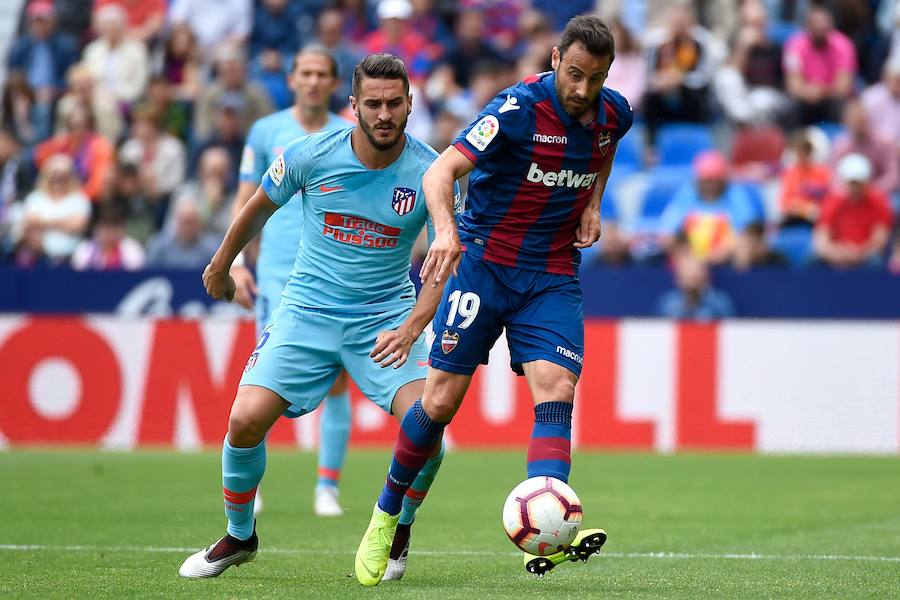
575	106
381	145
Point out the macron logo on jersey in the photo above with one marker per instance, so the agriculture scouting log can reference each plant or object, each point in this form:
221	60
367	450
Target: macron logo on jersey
562	178
550	139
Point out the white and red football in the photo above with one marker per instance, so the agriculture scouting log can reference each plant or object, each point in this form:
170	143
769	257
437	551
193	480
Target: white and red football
542	515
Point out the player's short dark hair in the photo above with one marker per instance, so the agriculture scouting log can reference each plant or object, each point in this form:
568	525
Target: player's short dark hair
593	34
317	49
380	66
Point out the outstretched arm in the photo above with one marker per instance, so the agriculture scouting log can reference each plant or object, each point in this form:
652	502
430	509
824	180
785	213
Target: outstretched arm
437	183
248	223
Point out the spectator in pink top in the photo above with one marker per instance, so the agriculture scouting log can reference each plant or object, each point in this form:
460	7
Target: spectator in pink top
882	100
627	74
819	65
860	137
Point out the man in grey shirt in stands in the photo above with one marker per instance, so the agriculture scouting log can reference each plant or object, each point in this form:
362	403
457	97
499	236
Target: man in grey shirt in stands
187	245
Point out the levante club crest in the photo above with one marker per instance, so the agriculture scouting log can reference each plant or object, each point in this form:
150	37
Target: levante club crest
449	341
403	201
604	141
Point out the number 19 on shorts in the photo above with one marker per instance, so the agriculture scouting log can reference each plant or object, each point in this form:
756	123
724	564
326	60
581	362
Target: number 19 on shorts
466	305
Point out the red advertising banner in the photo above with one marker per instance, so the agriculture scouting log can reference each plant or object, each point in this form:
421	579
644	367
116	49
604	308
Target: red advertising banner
647	385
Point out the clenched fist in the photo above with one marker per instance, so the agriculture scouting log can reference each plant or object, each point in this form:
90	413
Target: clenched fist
219	284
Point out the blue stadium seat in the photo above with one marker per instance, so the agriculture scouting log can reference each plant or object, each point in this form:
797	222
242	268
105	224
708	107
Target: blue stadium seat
663	185
609	209
629	154
679	143
756	198
832	130
795	243
781	31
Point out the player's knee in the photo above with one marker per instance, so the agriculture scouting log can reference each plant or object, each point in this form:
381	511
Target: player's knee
555	390
439	408
244	431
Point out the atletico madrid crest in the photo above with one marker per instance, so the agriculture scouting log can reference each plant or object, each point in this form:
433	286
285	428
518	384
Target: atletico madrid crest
449	341
403	201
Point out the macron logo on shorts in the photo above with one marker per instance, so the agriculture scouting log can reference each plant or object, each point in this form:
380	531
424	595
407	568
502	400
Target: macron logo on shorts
569	354
562	178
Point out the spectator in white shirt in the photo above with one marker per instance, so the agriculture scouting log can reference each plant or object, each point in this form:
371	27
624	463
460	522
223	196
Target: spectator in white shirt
120	64
160	157
214	22
57	208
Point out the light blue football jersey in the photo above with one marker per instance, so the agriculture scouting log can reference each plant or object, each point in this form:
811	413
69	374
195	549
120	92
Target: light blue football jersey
268	137
359	225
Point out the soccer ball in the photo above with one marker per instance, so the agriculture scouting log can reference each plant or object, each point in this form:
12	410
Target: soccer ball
542	515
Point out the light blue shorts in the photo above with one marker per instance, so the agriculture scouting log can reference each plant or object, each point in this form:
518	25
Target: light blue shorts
268	298
302	350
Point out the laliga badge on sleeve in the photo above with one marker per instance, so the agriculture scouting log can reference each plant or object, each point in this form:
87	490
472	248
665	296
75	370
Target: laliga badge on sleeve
483	132
449	341
276	171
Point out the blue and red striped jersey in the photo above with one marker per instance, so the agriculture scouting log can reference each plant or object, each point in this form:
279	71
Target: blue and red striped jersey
535	170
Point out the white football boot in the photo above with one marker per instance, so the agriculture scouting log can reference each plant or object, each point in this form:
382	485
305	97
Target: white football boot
226	552
326	502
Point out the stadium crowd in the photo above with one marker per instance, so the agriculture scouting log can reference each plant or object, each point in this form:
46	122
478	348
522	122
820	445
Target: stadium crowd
767	132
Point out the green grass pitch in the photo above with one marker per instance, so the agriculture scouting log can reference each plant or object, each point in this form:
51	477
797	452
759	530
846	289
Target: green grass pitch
84	524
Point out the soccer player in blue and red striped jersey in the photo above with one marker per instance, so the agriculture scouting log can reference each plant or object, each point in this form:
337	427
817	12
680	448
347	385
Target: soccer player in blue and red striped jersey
540	155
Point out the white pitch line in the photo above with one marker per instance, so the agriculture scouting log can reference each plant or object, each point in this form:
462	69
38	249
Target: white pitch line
660	555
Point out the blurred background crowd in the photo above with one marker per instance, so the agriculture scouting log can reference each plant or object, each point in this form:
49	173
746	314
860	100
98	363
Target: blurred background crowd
767	132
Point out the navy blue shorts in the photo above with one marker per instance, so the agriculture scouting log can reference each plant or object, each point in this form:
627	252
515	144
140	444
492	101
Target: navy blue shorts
543	314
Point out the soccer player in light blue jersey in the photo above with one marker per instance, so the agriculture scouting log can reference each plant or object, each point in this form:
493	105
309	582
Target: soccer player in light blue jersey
348	304
313	78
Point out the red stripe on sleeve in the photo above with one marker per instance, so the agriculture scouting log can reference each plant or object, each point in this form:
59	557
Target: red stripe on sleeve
466	152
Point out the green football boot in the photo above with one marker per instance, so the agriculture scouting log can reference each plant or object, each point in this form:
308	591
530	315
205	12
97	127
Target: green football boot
375	547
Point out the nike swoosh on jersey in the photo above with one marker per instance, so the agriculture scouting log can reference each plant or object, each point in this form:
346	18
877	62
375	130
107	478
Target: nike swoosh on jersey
422	363
325	189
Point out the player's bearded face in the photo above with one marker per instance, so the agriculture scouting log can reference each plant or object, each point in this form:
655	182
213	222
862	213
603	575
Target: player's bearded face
579	77
382	110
